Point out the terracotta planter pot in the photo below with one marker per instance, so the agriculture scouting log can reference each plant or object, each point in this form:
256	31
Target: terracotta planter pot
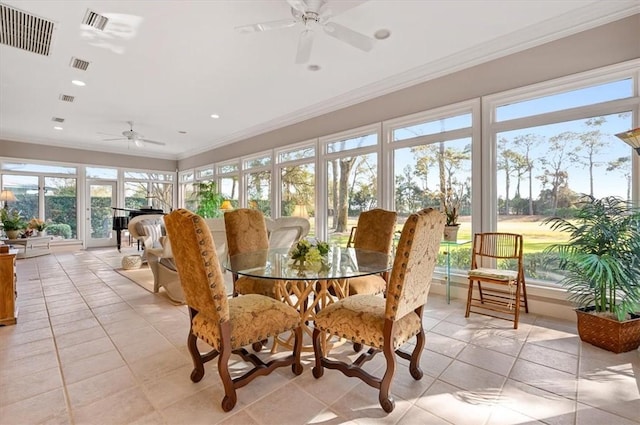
603	332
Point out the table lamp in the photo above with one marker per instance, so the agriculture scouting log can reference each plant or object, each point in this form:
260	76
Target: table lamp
226	205
631	138
7	196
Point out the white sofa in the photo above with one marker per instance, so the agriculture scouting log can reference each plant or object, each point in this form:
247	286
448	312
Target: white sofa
161	263
147	230
283	233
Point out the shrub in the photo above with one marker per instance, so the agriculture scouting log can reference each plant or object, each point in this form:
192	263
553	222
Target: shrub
59	229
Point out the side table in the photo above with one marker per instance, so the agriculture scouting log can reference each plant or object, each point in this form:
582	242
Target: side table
32	246
448	245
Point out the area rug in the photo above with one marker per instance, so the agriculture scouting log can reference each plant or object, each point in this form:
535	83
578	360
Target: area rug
142	277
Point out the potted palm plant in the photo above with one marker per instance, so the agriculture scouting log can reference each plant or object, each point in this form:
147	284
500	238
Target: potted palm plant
209	200
12	222
601	264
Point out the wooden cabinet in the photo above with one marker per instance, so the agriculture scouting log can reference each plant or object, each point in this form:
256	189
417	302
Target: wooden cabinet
8	309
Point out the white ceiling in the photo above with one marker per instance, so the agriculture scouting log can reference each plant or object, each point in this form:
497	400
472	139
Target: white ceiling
177	62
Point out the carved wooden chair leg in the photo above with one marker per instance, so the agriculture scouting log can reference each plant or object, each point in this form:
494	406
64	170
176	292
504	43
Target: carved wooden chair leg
198	365
385	400
414	363
318	369
230	397
296	367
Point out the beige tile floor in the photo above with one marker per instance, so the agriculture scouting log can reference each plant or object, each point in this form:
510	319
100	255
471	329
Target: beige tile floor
91	347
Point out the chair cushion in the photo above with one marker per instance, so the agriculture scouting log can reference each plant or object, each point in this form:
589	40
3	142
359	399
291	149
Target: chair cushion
253	318
495	274
373	284
360	318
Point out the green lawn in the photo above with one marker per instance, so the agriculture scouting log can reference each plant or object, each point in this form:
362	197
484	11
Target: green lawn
537	236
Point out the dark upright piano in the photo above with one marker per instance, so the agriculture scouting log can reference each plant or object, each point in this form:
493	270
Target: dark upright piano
121	222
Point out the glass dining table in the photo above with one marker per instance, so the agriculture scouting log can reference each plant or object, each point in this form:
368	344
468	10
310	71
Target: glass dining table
310	287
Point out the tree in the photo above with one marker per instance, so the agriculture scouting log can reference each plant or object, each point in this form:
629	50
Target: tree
561	150
622	164
345	167
592	144
525	143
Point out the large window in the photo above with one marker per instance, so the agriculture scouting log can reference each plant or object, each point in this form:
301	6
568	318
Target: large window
47	192
228	176
550	151
257	175
432	160
298	182
148	190
352	181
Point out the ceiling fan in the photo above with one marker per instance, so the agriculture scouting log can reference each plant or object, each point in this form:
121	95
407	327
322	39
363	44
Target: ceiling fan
133	136
312	14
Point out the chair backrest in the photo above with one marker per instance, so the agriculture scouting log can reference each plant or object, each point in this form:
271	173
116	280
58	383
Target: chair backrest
246	231
488	247
374	231
414	262
285	231
197	263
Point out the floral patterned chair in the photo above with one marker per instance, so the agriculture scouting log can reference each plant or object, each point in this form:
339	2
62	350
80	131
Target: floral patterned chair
226	324
247	232
374	232
385	324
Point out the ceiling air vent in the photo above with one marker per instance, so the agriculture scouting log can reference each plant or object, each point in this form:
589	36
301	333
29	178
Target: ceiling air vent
79	64
95	20
24	31
56	119
67	98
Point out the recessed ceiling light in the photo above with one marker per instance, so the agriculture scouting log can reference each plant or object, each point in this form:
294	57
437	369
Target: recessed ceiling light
215	116
78	83
382	34
57	127
313	67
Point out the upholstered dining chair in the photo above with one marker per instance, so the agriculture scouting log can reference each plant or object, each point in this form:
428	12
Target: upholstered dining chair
226	324
385	324
498	270
247	232
374	232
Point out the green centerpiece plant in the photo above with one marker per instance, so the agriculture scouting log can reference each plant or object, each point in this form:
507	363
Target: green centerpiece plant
307	254
601	267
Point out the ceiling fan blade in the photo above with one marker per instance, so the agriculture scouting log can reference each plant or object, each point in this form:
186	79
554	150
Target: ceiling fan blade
304	46
349	36
266	26
153	142
299	5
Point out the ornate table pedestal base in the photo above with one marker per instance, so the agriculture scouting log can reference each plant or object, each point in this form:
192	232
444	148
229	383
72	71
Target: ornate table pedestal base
309	297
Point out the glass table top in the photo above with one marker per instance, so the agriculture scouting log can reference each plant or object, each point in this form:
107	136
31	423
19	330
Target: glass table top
341	263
